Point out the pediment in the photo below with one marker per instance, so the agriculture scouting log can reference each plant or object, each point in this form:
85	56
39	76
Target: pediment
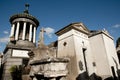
80	27
77	26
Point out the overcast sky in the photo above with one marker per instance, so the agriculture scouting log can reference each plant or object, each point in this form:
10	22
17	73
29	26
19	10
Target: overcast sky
56	14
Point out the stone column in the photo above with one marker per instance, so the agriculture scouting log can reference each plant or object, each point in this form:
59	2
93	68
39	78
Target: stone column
30	33
34	78
17	31
12	30
53	79
34	34
24	31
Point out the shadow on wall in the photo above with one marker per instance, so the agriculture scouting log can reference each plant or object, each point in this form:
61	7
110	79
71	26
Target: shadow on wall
84	76
1	71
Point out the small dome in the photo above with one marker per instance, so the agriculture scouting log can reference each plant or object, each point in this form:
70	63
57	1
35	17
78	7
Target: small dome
24	15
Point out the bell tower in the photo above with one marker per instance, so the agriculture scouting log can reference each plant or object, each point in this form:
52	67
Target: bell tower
22	40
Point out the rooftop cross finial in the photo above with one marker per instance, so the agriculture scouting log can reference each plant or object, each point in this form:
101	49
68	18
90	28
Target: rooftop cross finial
41	41
27	7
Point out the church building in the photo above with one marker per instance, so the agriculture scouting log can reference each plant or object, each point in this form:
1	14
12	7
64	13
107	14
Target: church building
92	54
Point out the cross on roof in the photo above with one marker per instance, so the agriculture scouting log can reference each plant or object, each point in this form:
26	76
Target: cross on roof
41	41
27	7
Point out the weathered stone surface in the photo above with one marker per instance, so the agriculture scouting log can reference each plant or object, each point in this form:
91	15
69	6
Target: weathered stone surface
26	77
49	60
50	67
44	62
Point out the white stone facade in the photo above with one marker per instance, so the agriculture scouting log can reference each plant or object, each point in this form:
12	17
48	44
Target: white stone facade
91	52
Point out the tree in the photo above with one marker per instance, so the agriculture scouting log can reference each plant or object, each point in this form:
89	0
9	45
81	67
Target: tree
16	72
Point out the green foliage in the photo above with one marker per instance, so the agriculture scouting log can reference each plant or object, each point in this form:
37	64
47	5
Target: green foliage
13	68
16	72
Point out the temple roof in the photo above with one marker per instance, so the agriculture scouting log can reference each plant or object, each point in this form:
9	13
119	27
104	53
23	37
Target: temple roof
25	14
77	26
96	32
